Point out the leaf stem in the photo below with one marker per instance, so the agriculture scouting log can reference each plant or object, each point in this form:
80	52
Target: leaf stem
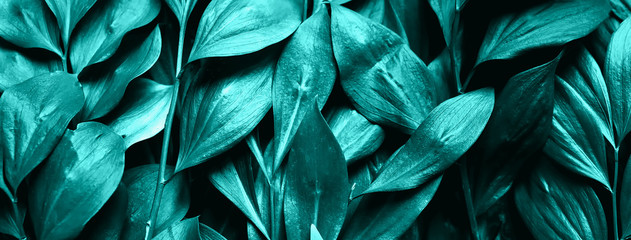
614	202
17	218
466	187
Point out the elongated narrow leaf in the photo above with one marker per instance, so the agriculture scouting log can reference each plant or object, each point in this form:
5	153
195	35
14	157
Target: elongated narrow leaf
446	12
305	71
549	24
104	84
316	190
226	101
446	134
20	65
29	24
617	72
557	206
100	33
182	9
625	203
386	82
207	233
33	117
79	177
356	135
237	27
141	187
185	229
142	112
68	14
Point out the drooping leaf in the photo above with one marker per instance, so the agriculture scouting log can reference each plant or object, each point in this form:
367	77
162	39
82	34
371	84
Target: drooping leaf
33	117
356	135
76	181
68	14
444	136
549	24
237	27
182	9
617	72
20	65
185	229
141	186
226	100
104	84
556	206
100	33
386	82
305	71
207	233
29	24
108	223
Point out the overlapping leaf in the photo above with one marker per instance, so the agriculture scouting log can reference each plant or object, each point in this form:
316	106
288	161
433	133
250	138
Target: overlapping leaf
29	24
356	135
20	65
185	229
617	72
182	9
68	14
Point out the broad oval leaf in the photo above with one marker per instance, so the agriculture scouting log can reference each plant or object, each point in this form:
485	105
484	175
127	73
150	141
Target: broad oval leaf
29	24
549	24
33	117
617	72
186	229
100	33
68	14
386	82
21	64
305	71
556	206
237	27
182	10
357	136
444	136
76	181
315	183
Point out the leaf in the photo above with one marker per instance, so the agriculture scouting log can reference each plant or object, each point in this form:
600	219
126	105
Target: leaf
356	135
389	215
549	24
381	11
33	117
224	103
386	82
108	223
238	27
100	33
625	203
316	190
20	65
447	17
76	181
142	112
556	206
104	84
207	233
29	24
68	14
11	224
185	229
621	8
305	71
444	136
141	186
617	72
315	235
182	9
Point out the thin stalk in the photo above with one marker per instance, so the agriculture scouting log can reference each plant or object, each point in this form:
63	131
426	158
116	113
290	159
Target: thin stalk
466	186
16	214
614	202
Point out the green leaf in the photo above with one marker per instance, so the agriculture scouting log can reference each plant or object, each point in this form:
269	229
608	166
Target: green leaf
68	14
33	117
305	71
238	27
182	9
100	33
76	181
316	190
356	135
556	206
185	229
207	233
141	186
386	82
444	136
549	24
108	223
20	64
142	111
222	105
29	24
617	72
315	235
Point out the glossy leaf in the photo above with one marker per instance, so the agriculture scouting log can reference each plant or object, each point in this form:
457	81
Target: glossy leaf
299	80
20	65
68	14
617	72
185	229
381	11
101	31
182	9
237	27
386	82
316	176
444	136
33	117
357	136
29	24
77	180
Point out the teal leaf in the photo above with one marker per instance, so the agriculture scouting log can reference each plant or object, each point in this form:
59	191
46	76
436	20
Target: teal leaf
305	71
186	229
142	112
182	9
625	203
238	27
556	206
108	223
207	233
68	14
33	117
357	136
11	224
617	72
549	24
447	17
315	235
316	190
384	79
76	181
20	65
29	24
381	11
622	8
101	31
104	84
445	135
